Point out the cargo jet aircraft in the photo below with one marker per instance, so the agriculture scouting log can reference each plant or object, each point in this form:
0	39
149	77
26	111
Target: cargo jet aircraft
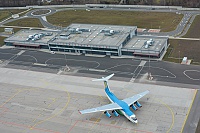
117	106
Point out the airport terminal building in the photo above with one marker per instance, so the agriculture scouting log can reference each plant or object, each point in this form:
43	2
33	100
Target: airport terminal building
108	40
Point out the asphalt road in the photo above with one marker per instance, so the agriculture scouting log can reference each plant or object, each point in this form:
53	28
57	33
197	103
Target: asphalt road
40	17
127	68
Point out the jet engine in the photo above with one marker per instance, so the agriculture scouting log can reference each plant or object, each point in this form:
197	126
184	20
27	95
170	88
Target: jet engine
134	107
115	113
138	104
107	114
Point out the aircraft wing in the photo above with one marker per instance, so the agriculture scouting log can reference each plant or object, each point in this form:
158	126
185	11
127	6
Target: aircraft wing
112	106
134	98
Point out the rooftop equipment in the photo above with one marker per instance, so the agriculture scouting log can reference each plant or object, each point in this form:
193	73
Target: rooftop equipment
148	43
108	32
78	30
37	36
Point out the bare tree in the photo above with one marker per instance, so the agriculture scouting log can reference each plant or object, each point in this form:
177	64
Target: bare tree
184	3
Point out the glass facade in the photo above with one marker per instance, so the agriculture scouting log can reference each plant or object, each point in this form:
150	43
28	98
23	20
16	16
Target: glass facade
127	53
84	50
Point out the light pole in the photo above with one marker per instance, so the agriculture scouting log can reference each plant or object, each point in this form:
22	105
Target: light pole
149	62
179	56
65	55
149	73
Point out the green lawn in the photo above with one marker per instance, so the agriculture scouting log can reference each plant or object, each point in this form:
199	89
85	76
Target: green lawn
188	48
194	31
27	10
2	41
1	29
26	22
15	11
164	21
7	13
4	15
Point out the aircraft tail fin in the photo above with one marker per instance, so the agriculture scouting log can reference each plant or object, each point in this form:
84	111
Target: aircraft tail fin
105	79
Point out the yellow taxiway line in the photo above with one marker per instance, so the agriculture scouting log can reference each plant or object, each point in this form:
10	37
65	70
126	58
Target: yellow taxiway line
20	90
61	110
53	100
172	113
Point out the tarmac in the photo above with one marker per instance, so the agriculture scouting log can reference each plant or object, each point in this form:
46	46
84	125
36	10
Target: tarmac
45	102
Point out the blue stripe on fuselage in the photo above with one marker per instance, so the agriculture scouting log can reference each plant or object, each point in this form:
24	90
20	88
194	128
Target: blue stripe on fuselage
121	103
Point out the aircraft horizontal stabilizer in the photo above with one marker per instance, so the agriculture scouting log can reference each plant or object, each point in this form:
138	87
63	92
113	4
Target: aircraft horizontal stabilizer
104	78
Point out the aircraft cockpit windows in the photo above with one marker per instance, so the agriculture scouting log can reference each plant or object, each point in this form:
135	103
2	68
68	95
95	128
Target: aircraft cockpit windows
134	118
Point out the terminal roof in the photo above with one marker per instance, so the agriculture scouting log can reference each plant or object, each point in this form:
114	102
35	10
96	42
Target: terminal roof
22	35
139	42
102	35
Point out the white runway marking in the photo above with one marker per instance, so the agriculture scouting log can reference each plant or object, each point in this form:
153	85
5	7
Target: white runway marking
21	52
98	64
142	63
97	70
32	57
173	76
135	75
120	65
133	78
44	18
59	72
41	14
39	64
191	71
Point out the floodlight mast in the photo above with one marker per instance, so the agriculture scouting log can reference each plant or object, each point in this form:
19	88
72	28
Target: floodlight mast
149	62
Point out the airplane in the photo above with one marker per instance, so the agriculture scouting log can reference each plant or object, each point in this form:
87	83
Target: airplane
117	106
